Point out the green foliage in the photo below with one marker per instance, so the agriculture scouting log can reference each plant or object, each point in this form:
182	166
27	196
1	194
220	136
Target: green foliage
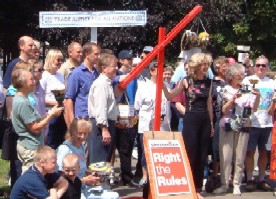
229	23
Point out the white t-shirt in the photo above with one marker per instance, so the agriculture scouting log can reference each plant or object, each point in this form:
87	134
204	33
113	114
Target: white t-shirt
51	82
145	103
266	86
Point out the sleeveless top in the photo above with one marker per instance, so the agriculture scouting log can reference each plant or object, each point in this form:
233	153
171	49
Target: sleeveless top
197	95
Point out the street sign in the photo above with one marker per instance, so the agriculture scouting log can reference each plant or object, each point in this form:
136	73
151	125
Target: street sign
66	19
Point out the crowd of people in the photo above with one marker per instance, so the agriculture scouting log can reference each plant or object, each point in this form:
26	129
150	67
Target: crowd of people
217	104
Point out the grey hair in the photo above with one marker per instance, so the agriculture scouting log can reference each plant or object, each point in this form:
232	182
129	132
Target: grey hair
232	70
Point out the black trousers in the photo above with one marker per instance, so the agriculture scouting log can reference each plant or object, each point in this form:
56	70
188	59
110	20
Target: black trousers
97	151
196	135
124	143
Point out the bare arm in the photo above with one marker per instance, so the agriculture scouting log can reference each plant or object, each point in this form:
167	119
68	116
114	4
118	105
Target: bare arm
61	186
272	106
180	108
175	91
68	111
53	194
37	126
9	100
257	100
91	179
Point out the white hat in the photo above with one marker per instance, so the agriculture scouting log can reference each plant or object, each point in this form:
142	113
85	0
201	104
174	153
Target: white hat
147	49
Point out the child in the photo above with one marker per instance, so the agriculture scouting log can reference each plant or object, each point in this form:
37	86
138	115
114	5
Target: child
71	168
40	180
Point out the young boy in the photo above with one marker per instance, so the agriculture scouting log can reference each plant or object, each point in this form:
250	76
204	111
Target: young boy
40	180
71	168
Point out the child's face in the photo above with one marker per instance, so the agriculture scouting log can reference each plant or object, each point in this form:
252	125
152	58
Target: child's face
70	171
50	164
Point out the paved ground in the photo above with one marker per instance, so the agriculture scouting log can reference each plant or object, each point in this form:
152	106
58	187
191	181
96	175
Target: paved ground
125	191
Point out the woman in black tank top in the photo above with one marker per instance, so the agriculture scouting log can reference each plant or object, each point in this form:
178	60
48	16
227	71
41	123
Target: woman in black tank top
198	118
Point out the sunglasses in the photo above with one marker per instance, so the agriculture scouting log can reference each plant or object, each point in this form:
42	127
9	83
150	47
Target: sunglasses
60	60
260	65
40	70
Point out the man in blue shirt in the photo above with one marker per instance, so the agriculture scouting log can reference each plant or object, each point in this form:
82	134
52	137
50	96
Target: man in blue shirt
26	46
79	83
40	180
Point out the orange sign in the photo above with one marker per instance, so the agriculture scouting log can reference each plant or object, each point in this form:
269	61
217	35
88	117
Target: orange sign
169	167
273	154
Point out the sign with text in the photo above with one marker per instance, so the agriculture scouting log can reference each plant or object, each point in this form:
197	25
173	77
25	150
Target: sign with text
169	167
92	19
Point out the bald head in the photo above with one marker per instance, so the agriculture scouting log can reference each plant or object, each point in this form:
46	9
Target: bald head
26	46
71	160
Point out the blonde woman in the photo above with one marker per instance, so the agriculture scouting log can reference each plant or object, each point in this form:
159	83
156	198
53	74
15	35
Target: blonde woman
52	80
198	116
79	131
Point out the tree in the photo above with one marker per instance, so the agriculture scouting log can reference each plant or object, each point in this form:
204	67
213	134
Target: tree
225	20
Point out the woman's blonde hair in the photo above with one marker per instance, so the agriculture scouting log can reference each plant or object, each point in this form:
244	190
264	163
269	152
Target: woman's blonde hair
50	58
86	123
234	69
197	60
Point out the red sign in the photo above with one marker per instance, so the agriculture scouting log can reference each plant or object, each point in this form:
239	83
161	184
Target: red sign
169	167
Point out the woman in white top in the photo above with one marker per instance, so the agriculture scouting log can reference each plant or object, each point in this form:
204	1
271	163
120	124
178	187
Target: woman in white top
145	104
52	80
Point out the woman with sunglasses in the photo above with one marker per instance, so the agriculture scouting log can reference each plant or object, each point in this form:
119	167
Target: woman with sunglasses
52	80
39	94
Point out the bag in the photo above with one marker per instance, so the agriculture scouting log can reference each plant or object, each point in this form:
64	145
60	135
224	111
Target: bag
212	183
10	138
240	123
4	124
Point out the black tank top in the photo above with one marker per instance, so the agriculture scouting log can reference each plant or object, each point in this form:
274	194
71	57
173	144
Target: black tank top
197	95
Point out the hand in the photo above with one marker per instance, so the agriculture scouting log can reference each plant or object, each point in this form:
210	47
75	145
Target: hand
212	131
256	92
55	111
92	179
237	95
106	137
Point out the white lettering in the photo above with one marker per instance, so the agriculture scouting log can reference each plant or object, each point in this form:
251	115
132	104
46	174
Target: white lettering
162	181
167	158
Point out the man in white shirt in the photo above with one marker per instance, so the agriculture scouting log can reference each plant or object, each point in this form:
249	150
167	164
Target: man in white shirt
102	110
261	124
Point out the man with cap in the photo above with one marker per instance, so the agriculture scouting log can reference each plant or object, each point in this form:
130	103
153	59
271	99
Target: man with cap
125	136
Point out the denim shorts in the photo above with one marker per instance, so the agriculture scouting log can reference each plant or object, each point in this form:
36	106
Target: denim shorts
258	137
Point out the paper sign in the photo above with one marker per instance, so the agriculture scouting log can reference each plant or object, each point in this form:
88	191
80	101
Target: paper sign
169	167
126	111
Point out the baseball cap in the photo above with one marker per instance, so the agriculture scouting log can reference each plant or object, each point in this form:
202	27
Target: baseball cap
125	54
147	49
153	64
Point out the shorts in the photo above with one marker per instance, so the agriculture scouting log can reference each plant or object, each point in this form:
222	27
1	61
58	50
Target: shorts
258	137
26	156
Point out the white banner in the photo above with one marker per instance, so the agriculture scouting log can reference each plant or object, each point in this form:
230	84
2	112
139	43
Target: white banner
92	19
